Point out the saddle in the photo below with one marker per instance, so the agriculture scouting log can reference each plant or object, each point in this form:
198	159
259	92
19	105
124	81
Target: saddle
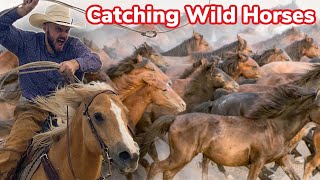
32	158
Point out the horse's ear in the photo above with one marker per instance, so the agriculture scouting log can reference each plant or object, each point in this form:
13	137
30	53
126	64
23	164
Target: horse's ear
139	58
196	35
203	61
242	41
308	39
294	29
145	45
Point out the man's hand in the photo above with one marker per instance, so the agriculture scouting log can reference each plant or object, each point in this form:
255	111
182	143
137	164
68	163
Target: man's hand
68	68
27	6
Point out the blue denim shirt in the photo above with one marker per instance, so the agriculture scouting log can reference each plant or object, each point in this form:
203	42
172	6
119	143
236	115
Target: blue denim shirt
30	47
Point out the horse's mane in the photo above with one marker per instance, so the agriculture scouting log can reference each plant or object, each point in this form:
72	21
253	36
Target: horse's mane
182	49
144	50
197	84
279	37
197	57
264	55
311	75
233	47
294	50
125	66
231	62
284	100
70	96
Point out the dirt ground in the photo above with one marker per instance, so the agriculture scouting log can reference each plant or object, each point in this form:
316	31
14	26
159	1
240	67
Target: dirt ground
193	170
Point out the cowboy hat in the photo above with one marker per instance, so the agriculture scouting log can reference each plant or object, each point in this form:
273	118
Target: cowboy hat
56	14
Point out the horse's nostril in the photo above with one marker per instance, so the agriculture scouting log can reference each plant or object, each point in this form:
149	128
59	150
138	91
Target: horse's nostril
124	155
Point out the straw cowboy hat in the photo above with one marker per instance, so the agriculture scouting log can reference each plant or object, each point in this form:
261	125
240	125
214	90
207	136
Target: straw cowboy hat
56	14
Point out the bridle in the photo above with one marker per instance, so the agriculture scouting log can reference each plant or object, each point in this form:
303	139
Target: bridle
103	147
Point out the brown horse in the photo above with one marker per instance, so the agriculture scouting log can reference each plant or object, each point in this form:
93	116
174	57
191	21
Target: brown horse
138	79
103	125
237	141
196	43
239	64
240	45
271	55
305	47
281	40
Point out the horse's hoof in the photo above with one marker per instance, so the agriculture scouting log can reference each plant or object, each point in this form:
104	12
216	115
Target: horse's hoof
230	177
298	160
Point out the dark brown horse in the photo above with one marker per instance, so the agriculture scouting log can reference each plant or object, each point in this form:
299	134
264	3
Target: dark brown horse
305	47
237	141
196	43
240	45
271	55
281	40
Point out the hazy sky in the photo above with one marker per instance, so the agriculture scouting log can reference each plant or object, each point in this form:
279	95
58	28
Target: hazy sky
164	4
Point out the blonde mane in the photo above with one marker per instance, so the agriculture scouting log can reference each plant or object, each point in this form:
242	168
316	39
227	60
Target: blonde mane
70	96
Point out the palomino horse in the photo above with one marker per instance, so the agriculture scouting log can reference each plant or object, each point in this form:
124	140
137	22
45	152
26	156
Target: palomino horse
237	141
305	47
271	55
98	127
281	40
196	43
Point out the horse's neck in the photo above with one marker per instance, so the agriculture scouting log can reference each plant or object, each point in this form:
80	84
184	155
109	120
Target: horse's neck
294	52
194	97
179	50
86	164
126	86
289	126
234	75
136	104
224	49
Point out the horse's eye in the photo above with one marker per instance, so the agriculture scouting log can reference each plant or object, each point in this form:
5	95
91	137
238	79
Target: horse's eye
255	67
219	75
98	117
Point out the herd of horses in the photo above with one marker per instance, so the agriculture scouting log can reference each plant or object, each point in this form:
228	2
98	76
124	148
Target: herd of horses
236	107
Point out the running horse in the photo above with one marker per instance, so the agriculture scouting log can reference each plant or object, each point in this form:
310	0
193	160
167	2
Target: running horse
98	130
237	141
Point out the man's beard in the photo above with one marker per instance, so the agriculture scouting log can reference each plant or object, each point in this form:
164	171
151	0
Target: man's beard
51	44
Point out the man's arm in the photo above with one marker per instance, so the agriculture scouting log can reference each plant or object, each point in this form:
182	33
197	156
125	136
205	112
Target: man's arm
86	61
11	37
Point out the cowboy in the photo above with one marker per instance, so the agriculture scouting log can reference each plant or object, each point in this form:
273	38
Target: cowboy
52	45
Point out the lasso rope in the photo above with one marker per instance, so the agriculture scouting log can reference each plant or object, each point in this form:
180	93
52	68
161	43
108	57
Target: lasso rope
33	67
150	34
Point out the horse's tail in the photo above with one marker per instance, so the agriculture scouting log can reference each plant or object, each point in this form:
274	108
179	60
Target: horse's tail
5	127
158	129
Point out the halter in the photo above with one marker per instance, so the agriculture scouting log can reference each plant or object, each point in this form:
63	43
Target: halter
103	147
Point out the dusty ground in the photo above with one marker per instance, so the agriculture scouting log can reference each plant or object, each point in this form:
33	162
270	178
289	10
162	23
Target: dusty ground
193	171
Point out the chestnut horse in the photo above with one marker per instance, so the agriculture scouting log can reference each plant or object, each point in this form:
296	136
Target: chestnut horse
271	55
104	125
138	79
237	141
